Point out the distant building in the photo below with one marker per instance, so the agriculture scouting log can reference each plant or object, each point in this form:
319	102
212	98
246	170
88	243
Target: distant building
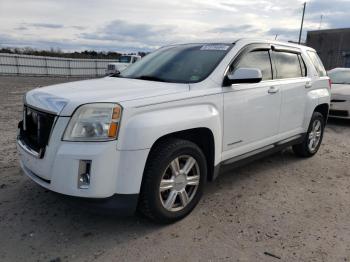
332	45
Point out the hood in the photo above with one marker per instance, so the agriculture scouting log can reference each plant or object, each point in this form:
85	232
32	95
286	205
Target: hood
63	99
341	89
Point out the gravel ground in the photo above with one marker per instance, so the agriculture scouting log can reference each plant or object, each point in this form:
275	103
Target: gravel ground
293	209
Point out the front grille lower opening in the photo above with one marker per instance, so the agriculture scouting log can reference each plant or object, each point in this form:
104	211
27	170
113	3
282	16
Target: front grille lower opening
35	129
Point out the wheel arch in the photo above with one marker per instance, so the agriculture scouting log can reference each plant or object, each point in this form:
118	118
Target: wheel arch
318	100
203	137
323	109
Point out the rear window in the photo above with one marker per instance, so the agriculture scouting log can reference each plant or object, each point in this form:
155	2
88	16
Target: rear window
340	77
316	61
288	65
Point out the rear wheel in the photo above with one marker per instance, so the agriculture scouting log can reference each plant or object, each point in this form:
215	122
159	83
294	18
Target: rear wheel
313	138
173	181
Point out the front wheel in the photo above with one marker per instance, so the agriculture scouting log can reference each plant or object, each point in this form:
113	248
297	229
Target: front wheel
313	138
173	181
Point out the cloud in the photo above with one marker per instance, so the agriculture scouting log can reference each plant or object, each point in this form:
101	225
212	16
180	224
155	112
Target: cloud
45	25
64	44
146	25
235	29
145	35
335	13
21	28
283	32
78	27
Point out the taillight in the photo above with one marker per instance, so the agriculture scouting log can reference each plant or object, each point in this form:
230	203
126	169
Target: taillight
330	83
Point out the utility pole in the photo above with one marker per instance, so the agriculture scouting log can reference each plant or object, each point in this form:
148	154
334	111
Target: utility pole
319	28
302	23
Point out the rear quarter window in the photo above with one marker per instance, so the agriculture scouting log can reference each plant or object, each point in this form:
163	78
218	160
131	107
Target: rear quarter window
316	61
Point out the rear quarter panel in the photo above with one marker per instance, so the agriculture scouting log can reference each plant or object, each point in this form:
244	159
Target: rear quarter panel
319	93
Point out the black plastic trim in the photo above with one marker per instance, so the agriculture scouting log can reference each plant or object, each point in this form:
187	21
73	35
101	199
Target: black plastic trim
248	157
118	204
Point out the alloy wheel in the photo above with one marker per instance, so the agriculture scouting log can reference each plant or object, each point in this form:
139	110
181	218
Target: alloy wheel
315	135
179	183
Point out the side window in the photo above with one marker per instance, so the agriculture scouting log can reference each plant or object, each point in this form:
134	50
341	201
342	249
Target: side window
316	61
287	65
257	59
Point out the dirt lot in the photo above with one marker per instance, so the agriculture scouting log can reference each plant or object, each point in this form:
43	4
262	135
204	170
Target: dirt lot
295	209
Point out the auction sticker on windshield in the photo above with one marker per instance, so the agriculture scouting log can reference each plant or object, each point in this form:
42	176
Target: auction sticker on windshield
215	47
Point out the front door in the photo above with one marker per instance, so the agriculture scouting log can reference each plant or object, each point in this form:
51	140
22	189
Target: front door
251	111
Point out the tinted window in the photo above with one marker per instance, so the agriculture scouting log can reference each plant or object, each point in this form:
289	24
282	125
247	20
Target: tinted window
317	63
179	64
287	65
257	59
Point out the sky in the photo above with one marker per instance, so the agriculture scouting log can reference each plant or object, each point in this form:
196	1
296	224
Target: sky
130	25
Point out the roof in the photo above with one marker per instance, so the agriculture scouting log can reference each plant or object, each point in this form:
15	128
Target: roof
248	40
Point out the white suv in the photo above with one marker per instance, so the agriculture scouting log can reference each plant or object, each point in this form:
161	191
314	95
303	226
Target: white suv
150	138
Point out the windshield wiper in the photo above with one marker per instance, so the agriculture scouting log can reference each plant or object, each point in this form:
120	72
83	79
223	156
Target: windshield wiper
150	78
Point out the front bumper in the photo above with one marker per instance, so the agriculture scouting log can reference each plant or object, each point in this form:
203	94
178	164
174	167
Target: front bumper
112	171
117	204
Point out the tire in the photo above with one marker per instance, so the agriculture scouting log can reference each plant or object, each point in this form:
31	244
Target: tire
304	149
156	199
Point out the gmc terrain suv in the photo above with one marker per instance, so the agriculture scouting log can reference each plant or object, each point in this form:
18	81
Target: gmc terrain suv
149	138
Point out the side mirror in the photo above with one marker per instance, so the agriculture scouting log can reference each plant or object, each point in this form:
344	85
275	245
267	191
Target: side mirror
243	75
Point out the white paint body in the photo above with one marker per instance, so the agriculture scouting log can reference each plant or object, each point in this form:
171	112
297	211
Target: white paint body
340	98
241	112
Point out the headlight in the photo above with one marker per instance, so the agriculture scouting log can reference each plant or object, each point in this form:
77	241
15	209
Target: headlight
94	122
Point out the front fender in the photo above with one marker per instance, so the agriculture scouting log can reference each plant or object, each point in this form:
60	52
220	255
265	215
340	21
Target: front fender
143	129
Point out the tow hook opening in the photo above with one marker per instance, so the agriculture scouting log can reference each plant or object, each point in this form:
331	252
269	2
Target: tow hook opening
84	174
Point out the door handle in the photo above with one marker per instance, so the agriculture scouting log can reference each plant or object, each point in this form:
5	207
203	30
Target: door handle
308	85
273	90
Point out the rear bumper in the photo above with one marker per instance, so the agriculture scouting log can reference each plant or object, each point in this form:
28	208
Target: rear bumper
340	110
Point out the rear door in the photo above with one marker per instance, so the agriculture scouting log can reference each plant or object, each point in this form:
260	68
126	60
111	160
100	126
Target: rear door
291	80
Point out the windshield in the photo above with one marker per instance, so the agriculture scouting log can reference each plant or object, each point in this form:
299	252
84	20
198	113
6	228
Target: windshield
340	77
179	64
124	59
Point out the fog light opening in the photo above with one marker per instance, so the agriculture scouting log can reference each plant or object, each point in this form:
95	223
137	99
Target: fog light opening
84	174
